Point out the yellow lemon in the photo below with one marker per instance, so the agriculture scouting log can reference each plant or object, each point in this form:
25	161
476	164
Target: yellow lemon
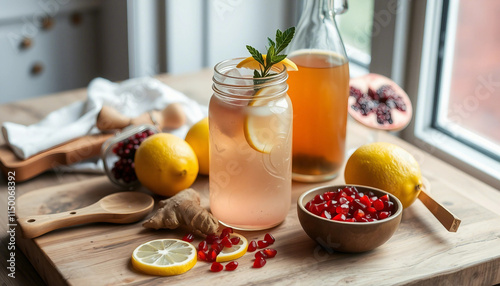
197	137
165	164
387	167
164	257
234	252
251	63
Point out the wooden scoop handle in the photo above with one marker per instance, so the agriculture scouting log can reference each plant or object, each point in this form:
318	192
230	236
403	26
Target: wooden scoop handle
36	225
445	217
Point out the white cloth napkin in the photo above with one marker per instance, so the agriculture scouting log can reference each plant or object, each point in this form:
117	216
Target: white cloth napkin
131	98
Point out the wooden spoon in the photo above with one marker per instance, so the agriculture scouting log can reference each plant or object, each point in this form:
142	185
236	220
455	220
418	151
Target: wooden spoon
450	221
123	207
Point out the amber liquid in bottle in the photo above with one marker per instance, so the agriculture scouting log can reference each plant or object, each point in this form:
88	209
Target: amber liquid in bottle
319	92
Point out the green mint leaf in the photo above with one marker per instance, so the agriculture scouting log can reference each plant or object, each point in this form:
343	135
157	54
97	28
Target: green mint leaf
285	39
256	74
269	60
256	54
271	42
279	36
279	58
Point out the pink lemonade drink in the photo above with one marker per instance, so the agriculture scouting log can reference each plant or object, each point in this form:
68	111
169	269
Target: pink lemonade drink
250	123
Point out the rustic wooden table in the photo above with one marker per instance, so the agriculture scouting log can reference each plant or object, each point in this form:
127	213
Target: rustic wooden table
420	252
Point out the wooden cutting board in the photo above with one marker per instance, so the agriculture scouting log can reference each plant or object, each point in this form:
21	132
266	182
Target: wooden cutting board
68	153
421	251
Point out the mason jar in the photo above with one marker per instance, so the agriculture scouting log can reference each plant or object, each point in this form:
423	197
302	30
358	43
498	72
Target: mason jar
250	122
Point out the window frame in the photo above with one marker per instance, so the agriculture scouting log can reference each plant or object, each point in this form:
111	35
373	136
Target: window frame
421	72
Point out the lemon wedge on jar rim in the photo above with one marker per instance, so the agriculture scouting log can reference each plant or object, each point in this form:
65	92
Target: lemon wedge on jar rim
164	257
266	120
251	63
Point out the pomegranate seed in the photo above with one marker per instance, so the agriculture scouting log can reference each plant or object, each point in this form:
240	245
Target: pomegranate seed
384	198
235	240
252	246
326	214
308	206
340	217
231	265
382	215
216	267
259	262
260	253
366	201
359	214
378	204
211	238
269	252
262	243
203	246
202	255
371	210
226	232
317	199
269	238
217	247
342	209
389	206
226	242
212	255
188	237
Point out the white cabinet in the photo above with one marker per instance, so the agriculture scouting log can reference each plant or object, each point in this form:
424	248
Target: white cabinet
48	46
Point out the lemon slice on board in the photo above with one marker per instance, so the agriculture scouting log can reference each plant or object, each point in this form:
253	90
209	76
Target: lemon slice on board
266	120
251	63
234	252
164	257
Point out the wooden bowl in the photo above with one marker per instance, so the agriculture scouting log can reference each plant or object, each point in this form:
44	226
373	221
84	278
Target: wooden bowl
347	236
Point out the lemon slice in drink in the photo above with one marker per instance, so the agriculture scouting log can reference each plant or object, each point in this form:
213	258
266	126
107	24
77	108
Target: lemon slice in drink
164	257
265	120
251	63
234	252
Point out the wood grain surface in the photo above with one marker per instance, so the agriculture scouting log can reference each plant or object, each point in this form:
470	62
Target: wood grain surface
421	252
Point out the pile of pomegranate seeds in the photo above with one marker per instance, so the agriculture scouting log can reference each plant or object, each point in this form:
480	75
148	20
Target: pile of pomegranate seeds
380	101
349	205
124	168
213	244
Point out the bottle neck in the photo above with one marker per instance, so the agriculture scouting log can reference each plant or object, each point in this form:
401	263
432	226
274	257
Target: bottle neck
319	9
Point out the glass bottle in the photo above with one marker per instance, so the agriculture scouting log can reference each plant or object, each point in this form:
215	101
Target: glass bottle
250	122
319	91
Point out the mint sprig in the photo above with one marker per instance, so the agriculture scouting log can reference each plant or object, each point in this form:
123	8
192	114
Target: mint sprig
273	55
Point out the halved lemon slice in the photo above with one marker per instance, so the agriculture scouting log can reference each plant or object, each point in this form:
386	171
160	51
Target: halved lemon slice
251	63
266	120
164	257
234	252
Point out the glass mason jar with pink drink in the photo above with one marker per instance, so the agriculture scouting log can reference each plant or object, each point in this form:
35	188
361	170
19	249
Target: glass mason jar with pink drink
250	122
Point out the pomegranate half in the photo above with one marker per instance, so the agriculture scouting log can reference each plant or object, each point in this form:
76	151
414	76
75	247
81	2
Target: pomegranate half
378	102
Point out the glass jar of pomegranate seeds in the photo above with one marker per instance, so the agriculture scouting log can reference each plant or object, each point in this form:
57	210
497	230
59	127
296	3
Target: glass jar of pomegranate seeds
118	152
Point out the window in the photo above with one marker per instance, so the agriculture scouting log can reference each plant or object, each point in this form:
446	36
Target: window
355	27
455	76
469	75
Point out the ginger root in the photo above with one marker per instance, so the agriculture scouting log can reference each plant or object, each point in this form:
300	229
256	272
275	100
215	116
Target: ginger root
183	209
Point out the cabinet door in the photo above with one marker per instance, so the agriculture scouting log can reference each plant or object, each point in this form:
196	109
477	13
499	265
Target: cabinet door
64	56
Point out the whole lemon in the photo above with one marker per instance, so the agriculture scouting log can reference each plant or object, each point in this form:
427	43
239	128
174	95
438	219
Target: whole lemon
165	164
385	166
197	137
